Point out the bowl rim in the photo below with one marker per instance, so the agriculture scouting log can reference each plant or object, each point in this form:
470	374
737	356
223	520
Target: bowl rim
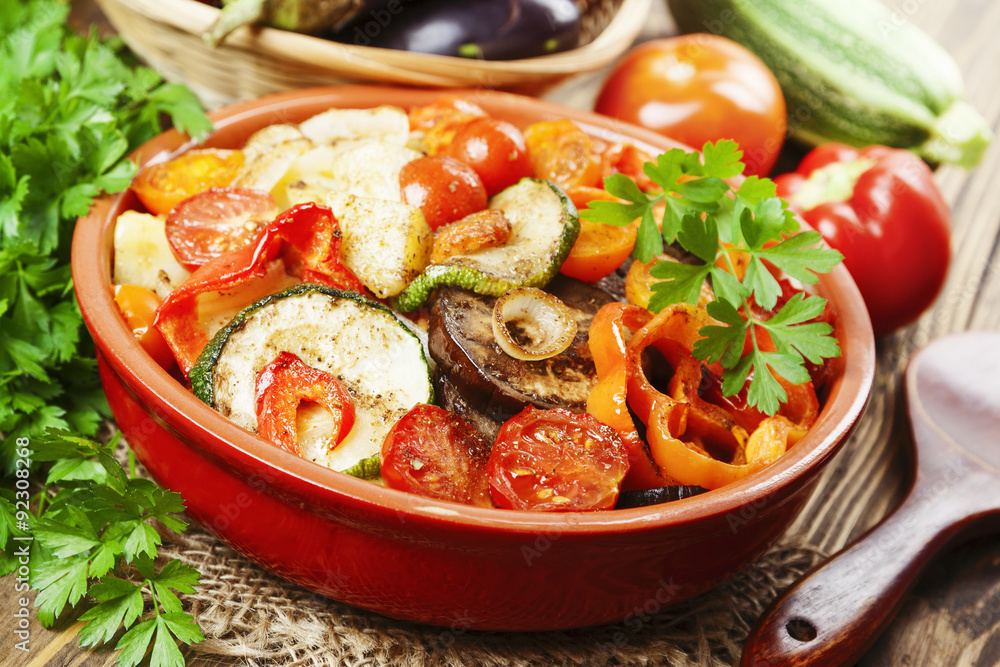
200	426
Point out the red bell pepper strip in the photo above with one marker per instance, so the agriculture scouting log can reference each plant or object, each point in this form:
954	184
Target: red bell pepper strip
306	237
286	382
880	207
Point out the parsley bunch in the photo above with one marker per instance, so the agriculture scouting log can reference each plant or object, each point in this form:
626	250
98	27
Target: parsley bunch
85	533
71	109
710	219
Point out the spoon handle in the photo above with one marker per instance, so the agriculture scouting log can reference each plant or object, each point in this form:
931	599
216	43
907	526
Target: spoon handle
836	612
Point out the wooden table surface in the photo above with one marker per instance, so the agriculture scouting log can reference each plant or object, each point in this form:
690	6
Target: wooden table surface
952	616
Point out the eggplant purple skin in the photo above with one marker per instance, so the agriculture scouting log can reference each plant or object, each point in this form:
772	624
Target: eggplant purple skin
663	494
461	342
485	29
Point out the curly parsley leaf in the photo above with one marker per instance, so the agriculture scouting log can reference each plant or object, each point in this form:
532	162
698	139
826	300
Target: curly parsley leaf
71	109
93	535
736	237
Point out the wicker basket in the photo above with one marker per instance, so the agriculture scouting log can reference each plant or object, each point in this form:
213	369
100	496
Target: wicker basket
166	34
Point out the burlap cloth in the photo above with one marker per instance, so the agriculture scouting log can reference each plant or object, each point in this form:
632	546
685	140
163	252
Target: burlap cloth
257	617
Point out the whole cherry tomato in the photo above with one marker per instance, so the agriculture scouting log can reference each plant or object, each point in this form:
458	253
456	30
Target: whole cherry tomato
162	186
138	307
880	207
443	188
495	149
217	221
435	453
699	88
556	460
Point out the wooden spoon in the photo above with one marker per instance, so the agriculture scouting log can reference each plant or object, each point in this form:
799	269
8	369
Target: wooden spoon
836	612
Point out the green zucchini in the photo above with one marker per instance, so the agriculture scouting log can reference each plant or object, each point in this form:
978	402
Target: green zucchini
852	71
544	226
377	358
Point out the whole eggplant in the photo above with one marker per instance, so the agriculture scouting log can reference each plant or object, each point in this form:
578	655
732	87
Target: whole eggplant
486	29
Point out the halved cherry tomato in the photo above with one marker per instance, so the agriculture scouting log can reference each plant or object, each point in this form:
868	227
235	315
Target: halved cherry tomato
435	453
443	188
562	153
556	460
440	119
441	110
217	221
282	385
599	249
138	307
628	160
495	149
698	88
162	186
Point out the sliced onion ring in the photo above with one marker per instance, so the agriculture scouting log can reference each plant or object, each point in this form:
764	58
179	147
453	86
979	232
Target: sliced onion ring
542	318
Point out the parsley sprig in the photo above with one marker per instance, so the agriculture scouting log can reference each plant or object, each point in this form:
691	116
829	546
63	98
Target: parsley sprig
93	535
711	220
71	109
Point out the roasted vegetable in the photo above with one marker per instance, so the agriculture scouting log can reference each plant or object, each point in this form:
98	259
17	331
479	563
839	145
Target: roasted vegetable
543	228
851	72
360	343
462	343
487	29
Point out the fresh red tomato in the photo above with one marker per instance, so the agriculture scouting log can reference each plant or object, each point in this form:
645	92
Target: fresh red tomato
282	385
881	208
556	460
698	88
435	453
443	188
495	149
217	221
162	186
138	307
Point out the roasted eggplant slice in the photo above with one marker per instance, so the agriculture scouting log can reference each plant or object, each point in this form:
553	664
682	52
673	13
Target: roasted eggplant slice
449	398
461	341
663	494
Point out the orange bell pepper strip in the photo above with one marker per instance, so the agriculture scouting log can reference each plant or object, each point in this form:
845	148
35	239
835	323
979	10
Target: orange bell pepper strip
305	237
609	332
688	463
691	464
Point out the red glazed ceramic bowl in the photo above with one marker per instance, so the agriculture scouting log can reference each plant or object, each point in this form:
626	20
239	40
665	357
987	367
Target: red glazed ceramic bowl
417	559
